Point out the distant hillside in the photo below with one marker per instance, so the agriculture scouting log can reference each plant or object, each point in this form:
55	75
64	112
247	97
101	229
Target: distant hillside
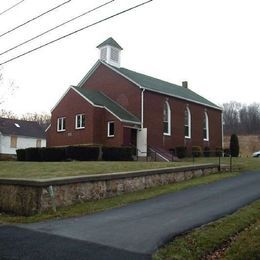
248	144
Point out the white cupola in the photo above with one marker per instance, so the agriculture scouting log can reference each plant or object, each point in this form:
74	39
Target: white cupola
110	52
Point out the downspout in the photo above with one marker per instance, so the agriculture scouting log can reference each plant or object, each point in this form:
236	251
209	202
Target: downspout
142	108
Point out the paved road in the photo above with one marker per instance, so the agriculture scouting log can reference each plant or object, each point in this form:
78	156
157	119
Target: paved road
130	232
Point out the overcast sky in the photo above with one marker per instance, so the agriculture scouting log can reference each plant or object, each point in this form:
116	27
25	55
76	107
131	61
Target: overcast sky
213	44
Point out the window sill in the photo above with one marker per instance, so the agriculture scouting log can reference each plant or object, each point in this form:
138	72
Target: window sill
187	137
60	131
79	128
166	134
109	136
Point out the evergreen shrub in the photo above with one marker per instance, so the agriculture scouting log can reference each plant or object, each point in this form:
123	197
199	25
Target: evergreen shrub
117	154
33	154
219	151
82	153
53	154
206	151
181	151
234	145
196	151
20	154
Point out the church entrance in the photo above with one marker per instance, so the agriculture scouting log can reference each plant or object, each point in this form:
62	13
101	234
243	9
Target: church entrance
130	136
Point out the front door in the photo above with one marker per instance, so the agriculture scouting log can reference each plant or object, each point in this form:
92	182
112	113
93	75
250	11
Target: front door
130	136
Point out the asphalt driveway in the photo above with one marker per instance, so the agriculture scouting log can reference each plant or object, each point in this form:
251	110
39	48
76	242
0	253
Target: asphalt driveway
131	232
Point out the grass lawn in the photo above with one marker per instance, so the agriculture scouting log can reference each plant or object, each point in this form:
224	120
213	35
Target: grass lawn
44	170
243	163
201	242
246	245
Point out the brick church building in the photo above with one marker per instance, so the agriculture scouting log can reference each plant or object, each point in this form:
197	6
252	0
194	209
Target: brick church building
115	106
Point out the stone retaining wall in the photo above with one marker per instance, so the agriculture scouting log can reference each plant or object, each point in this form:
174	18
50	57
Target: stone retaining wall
27	197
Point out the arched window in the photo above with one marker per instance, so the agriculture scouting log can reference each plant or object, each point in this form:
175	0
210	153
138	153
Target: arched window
187	123
166	119
205	126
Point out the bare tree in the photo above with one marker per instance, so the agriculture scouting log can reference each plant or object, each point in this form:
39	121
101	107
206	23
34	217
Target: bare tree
7	114
231	116
241	119
43	119
6	88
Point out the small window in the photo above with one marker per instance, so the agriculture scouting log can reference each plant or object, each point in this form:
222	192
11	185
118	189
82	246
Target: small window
114	54
166	119
206	127
187	123
80	121
38	143
13	142
61	124
110	129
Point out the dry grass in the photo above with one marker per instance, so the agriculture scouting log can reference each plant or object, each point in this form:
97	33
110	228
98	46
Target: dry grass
248	144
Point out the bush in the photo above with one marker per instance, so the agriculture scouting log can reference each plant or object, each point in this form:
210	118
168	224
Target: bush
82	153
79	153
53	154
181	151
117	154
33	154
219	151
234	146
206	151
196	151
226	152
20	154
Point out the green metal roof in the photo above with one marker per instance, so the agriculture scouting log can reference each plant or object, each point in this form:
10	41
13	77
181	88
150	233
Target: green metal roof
164	87
110	41
100	99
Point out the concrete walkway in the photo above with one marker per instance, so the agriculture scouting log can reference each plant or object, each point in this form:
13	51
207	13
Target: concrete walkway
134	231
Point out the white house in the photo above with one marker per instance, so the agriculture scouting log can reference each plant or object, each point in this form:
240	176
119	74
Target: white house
18	134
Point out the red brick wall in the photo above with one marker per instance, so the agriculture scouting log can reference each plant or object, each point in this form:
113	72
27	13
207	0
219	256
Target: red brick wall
116	87
69	106
153	116
117	140
95	131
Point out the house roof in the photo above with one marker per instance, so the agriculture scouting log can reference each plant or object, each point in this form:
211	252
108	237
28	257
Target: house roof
21	128
154	84
164	87
110	41
98	98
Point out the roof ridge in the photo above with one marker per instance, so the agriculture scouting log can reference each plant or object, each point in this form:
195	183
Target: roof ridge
20	120
187	90
148	76
118	104
153	84
86	91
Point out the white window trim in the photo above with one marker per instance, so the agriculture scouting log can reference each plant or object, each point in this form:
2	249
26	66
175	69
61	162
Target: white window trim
76	121
207	127
108	129
168	119
189	124
62	124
